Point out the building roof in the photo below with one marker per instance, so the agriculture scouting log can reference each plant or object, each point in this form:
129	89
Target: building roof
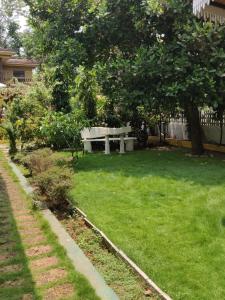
21	62
5	49
6	52
9	59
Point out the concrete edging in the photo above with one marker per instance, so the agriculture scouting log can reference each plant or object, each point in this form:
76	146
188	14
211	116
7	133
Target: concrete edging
80	262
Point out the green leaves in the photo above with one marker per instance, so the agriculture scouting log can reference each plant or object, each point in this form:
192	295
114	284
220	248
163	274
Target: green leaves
85	93
62	130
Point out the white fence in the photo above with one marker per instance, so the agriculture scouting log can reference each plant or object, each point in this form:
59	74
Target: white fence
177	128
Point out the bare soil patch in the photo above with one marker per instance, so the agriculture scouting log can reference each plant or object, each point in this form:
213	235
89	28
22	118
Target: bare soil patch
30	231
11	269
7	246
162	148
38	250
27	297
59	292
44	262
6	256
28	224
20	212
50	276
18	206
12	283
34	240
27	218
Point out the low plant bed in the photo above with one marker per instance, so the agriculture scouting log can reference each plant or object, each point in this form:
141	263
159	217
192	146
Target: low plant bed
120	277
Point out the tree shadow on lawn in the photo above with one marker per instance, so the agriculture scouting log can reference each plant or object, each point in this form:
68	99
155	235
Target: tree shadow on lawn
174	164
15	277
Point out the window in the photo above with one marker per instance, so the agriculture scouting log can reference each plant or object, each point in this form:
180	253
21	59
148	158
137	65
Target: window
19	74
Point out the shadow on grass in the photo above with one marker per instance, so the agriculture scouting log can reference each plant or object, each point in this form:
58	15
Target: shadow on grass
165	164
14	283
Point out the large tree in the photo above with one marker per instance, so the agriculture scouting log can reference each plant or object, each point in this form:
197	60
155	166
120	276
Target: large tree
54	40
9	27
174	61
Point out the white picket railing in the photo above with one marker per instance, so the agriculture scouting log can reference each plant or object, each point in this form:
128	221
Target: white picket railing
177	127
204	8
199	5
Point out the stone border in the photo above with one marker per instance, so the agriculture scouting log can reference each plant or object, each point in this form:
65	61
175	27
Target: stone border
154	140
79	260
187	144
81	263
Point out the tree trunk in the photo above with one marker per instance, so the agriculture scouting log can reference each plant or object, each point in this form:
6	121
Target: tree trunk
194	126
160	130
12	143
221	131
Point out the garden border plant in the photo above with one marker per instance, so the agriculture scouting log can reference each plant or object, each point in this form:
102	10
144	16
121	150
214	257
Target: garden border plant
50	178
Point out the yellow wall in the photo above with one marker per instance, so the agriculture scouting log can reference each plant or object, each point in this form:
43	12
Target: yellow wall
8	72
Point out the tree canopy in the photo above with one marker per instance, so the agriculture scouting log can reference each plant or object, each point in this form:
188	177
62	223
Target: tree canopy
151	54
9	27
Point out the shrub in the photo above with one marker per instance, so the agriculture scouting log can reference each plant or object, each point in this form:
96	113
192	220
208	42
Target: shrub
53	186
25	106
19	158
39	161
3	134
61	130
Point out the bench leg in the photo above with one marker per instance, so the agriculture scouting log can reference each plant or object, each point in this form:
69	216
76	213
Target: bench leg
87	146
107	145
122	147
130	145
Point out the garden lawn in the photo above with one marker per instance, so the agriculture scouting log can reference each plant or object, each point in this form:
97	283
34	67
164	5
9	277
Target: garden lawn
165	210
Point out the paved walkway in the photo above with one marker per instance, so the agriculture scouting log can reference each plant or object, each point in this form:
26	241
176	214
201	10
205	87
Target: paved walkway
29	266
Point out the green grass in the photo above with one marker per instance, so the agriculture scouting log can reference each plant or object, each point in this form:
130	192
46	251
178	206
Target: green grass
165	210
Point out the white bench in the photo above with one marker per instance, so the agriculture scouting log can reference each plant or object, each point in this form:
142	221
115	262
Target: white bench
102	134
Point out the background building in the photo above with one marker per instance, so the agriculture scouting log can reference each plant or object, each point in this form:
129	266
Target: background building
14	67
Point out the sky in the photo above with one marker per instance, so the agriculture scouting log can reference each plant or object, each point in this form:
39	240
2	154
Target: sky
23	23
